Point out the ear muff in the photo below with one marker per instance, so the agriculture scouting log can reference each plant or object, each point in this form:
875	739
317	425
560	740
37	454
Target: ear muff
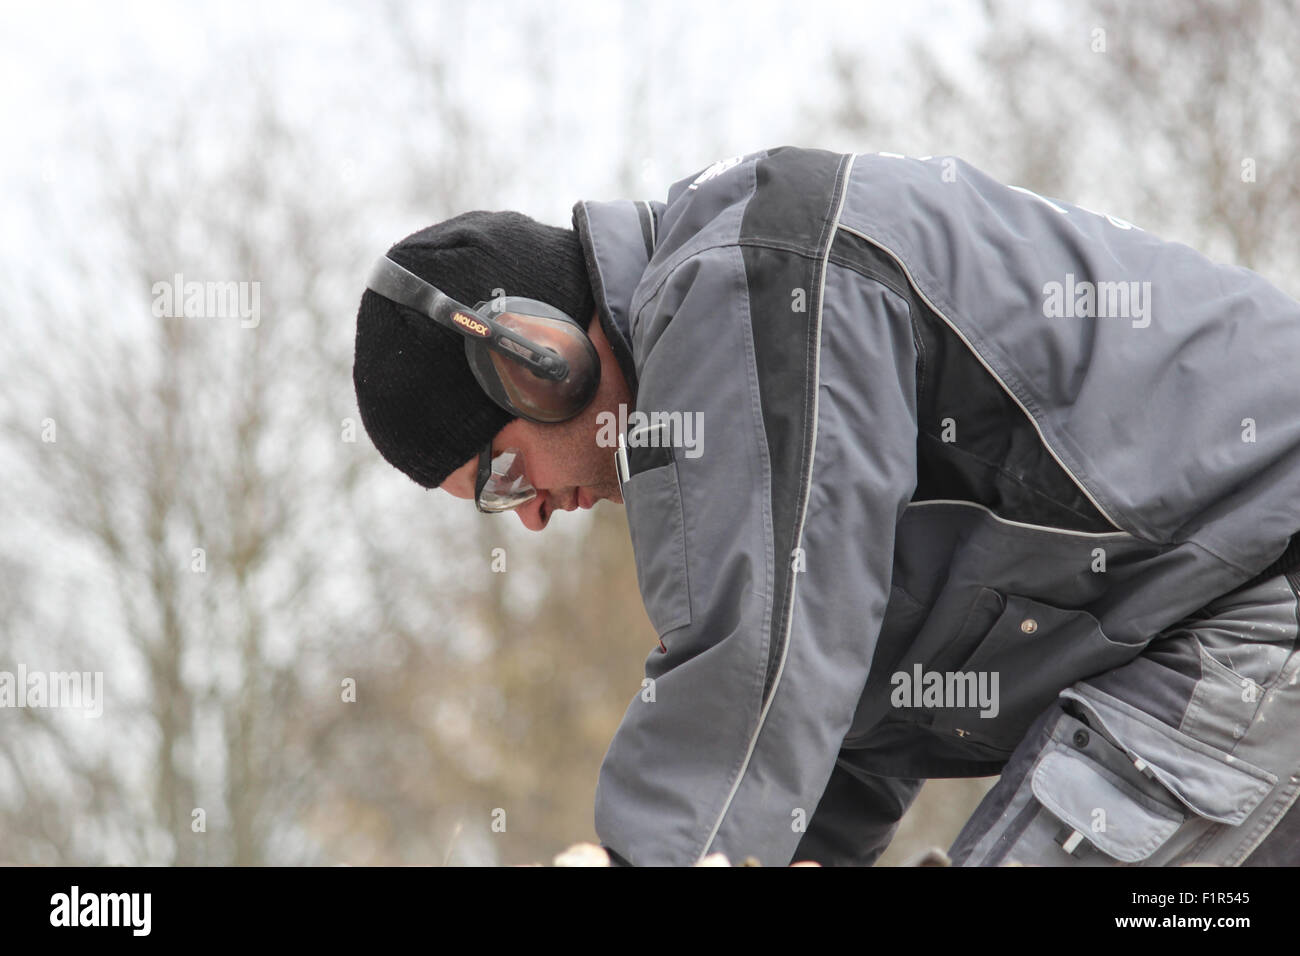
530	358
513	384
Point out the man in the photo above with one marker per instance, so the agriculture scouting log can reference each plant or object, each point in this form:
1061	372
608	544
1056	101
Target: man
992	483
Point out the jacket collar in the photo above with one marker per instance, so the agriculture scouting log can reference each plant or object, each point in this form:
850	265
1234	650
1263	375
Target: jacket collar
618	238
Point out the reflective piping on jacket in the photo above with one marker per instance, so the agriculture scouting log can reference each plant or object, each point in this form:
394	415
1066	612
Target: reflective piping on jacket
843	183
654	237
997	378
1019	524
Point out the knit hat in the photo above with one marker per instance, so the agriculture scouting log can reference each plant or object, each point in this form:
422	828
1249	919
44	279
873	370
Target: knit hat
419	401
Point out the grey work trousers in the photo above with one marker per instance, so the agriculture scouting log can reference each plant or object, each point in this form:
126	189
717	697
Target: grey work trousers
1190	753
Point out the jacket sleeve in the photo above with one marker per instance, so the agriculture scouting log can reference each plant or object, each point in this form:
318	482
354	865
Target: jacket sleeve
856	818
764	547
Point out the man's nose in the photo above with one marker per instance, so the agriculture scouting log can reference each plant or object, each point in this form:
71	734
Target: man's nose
534	514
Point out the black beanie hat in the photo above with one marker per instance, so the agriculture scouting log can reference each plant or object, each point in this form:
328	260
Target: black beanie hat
419	401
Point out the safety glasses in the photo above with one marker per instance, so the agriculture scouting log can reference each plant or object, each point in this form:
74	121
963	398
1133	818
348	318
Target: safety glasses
502	484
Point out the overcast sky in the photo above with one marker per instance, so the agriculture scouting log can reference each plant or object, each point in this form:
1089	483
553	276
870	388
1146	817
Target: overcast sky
756	69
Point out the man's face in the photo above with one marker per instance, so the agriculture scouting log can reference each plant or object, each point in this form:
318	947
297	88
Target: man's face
562	461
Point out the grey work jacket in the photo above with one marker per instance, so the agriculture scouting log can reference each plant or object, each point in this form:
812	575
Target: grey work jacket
947	425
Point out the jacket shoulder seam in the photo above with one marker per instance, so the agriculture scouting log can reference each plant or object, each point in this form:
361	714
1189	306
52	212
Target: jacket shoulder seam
653	291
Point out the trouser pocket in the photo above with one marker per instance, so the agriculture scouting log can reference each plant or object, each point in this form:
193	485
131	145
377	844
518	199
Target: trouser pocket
1077	801
1080	794
1092	807
1216	790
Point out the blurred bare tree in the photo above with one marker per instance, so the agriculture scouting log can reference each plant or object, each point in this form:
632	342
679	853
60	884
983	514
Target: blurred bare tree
307	658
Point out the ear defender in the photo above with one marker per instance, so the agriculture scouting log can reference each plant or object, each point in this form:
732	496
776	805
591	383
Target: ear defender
530	358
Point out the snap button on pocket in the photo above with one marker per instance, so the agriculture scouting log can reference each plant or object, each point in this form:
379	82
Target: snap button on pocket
1029	625
1081	738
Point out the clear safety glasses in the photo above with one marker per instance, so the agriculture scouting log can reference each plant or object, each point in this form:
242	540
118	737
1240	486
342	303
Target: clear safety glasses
502	484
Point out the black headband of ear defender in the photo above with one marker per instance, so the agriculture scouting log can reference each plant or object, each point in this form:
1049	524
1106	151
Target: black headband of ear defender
530	358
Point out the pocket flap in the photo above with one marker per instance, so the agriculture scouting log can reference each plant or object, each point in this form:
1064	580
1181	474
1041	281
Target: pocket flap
1130	826
1213	784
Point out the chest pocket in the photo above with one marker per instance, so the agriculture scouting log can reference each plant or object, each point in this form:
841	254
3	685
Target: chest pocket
656	524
